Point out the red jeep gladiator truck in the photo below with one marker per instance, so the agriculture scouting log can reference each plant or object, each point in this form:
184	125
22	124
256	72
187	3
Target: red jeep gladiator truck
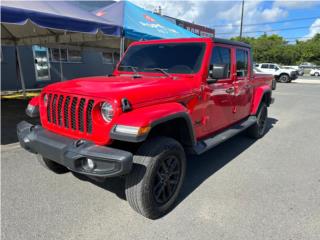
165	98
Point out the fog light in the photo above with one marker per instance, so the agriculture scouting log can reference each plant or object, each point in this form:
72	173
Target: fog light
90	163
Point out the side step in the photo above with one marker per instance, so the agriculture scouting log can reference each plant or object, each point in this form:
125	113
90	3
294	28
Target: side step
206	144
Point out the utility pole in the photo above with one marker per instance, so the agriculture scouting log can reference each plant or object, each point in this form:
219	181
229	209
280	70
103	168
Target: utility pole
241	19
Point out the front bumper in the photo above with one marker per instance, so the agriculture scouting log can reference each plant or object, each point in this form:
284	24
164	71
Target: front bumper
294	75
71	153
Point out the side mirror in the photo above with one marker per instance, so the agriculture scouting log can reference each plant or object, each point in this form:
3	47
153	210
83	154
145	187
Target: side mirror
216	72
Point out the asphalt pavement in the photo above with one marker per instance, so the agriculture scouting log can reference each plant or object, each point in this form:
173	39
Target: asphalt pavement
242	189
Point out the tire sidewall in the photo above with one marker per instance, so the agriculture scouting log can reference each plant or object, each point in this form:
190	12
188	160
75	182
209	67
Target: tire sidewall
263	110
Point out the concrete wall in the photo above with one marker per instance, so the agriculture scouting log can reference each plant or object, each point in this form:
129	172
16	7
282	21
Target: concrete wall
91	65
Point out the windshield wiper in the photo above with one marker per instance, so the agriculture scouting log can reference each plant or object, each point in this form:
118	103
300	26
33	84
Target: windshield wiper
159	70
133	68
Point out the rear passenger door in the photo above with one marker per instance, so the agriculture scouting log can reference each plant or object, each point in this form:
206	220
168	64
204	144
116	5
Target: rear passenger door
242	84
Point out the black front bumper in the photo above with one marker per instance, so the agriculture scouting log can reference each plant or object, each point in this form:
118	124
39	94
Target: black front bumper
73	154
294	75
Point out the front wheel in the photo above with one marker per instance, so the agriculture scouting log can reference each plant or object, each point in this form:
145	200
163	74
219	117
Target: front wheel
257	130
284	78
156	178
317	74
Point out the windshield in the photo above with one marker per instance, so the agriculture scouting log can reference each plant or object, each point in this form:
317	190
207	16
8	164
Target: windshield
169	57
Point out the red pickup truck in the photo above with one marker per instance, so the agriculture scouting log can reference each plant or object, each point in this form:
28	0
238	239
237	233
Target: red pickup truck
165	98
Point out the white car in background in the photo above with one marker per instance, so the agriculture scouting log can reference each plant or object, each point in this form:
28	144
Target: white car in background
315	72
280	74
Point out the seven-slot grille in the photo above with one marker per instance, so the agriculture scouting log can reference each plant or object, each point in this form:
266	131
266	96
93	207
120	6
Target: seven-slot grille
70	112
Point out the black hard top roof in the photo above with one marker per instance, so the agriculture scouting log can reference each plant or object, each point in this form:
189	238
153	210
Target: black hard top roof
231	42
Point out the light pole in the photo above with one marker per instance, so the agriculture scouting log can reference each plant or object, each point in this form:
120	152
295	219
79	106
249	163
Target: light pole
241	19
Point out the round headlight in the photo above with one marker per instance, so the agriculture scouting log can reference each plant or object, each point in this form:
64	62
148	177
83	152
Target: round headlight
45	99
107	111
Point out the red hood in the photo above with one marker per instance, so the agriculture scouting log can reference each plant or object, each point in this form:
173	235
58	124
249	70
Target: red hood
136	90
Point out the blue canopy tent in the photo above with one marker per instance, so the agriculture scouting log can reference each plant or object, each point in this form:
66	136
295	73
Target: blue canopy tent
38	19
53	23
138	23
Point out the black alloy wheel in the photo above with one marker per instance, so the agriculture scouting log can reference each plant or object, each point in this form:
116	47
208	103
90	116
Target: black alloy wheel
167	179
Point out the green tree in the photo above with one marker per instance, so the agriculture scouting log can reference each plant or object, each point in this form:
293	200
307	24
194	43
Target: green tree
274	48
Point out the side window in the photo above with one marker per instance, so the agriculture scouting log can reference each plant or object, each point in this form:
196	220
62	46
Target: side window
221	58
242	62
272	66
264	65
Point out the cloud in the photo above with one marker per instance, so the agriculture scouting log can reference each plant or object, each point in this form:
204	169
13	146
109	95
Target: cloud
225	16
313	29
273	14
295	4
185	10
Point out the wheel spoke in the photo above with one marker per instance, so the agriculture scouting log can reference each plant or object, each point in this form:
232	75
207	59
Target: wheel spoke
157	186
173	165
158	194
164	194
169	189
167	179
173	173
164	166
173	181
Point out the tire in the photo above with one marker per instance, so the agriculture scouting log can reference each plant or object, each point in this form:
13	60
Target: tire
284	78
317	74
257	130
53	166
274	84
148	185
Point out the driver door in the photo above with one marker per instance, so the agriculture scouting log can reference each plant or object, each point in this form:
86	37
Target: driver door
220	94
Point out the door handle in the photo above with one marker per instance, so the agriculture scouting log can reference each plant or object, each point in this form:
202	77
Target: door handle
230	90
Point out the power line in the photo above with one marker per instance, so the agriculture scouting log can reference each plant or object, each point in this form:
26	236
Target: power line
264	23
274	30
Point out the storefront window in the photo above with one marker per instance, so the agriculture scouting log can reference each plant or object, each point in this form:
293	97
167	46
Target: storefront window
74	55
67	55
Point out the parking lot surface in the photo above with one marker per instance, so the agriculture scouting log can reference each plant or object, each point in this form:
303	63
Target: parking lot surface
242	189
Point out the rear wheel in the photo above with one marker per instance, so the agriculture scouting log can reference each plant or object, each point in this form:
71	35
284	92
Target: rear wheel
284	78
257	130
317	74
156	178
51	165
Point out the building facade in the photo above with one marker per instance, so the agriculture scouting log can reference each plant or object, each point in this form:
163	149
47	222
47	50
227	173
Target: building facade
192	27
41	66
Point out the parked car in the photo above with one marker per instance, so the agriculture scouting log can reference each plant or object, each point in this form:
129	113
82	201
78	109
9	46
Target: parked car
307	65
315	72
165	98
281	74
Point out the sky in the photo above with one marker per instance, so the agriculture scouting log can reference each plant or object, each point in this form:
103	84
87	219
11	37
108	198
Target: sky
290	19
